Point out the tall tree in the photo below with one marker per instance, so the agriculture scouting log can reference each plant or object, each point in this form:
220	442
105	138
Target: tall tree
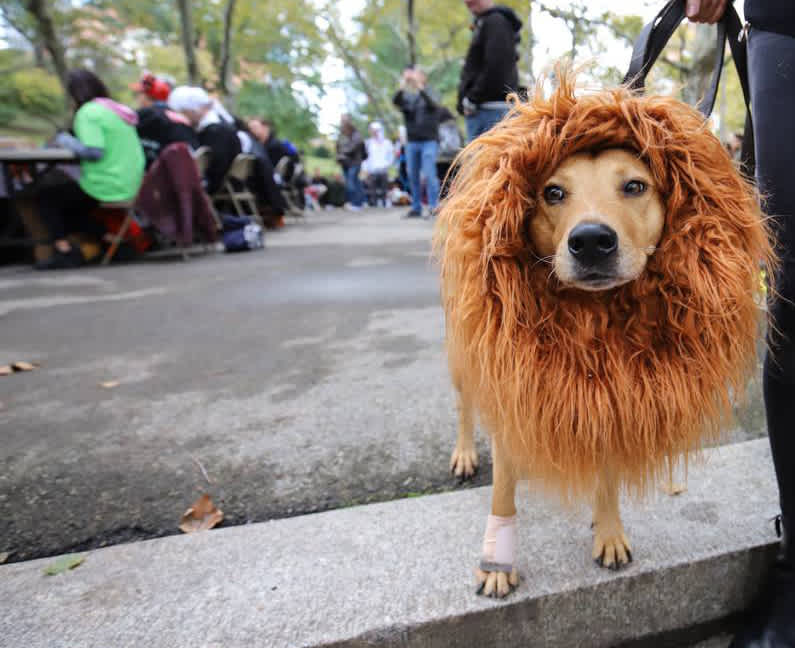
46	31
412	35
223	73
186	19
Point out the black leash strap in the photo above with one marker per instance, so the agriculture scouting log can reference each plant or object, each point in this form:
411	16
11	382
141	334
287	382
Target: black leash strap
655	35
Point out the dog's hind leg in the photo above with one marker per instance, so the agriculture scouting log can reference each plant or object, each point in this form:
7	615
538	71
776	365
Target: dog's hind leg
497	575
464	460
610	544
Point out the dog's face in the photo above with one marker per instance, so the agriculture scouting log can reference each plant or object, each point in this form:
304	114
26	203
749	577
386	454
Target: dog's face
599	218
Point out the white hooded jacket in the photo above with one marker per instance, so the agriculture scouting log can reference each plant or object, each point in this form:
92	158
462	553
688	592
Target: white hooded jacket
380	151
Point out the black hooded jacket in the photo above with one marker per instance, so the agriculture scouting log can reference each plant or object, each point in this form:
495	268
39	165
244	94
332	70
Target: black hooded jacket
771	15
489	71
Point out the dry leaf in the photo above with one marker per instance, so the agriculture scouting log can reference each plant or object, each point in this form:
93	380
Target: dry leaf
24	366
201	516
64	563
4	556
109	384
6	370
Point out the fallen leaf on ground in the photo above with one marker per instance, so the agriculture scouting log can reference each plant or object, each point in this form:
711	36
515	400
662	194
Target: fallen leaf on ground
6	370
109	384
64	563
24	366
201	516
4	556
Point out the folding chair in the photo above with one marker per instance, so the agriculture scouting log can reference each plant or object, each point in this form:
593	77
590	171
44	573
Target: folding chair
129	209
202	157
287	189
239	171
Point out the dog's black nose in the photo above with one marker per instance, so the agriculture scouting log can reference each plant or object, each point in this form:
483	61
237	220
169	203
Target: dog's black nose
592	243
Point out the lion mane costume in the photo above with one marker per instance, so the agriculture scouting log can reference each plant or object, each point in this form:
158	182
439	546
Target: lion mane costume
636	376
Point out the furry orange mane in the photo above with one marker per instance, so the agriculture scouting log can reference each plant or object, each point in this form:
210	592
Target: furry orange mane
632	377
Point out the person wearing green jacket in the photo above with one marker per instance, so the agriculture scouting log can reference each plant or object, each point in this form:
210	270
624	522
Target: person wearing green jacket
111	167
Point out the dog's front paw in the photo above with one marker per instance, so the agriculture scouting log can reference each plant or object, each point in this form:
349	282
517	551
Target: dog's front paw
496	583
464	461
611	549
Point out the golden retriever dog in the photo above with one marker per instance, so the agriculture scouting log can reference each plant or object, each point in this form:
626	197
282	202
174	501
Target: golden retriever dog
600	279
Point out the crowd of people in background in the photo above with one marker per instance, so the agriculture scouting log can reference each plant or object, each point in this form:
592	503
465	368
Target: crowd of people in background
119	148
423	156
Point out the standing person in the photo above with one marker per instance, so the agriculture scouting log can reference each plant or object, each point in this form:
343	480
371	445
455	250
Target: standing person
489	71
380	155
111	167
350	155
421	112
771	71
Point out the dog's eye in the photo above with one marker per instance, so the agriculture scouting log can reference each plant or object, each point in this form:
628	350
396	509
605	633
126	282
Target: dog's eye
554	194
634	187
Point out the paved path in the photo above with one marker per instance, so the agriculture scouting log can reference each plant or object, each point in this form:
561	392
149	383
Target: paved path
305	377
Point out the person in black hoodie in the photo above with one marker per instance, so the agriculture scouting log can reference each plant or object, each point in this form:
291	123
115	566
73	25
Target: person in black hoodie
770	36
489	71
211	130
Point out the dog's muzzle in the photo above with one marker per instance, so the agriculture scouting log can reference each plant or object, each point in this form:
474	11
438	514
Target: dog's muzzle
594	247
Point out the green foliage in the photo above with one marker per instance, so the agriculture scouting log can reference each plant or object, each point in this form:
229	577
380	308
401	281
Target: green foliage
294	119
38	93
170	60
321	152
31	92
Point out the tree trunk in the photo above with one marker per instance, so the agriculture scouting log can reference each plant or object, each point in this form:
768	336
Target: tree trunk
46	30
528	52
226	46
412	35
186	18
351	61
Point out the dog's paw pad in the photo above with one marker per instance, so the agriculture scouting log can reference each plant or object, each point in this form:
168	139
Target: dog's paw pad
464	463
496	584
611	551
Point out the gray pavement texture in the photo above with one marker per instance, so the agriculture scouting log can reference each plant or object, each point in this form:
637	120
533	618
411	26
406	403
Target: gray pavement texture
308	376
400	574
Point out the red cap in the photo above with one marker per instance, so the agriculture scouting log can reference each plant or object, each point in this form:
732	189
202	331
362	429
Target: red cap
152	87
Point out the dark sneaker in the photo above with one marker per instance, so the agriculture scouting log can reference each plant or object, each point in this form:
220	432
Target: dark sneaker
771	623
61	260
413	214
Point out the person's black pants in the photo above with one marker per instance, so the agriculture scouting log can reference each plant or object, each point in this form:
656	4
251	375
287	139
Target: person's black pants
378	186
65	208
772	78
263	185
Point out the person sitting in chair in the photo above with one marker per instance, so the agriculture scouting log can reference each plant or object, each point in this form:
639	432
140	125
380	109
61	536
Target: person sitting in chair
111	167
157	125
212	131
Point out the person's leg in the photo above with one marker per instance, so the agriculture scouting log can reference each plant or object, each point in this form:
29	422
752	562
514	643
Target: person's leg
383	180
358	190
66	208
772	78
430	150
413	161
473	126
348	185
483	120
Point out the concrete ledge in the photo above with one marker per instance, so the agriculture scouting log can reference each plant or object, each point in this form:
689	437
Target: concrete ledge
400	574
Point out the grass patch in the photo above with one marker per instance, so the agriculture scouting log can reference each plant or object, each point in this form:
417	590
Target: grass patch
327	167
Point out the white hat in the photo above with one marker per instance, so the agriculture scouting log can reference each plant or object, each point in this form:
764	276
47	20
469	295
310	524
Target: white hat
188	98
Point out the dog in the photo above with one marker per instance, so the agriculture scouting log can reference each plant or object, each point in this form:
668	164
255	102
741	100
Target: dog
599	259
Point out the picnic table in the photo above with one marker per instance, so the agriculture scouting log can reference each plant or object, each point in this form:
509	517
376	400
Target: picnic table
35	160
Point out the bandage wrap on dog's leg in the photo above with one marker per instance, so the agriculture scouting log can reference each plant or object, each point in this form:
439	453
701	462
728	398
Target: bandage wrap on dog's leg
499	544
